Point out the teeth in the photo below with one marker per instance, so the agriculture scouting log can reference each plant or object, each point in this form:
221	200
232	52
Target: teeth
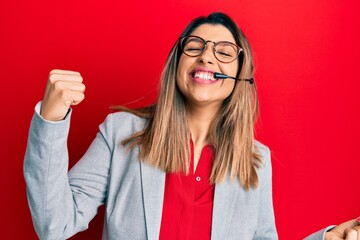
204	75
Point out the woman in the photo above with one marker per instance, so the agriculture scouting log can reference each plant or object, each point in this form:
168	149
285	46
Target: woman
187	167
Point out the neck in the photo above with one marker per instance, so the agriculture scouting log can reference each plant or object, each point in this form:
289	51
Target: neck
199	120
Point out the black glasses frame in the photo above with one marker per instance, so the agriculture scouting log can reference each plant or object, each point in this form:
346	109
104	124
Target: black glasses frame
182	44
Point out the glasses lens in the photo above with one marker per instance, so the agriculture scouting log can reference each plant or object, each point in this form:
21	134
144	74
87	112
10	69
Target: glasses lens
193	46
226	52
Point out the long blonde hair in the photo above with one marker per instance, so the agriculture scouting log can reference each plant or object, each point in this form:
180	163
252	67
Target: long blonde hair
165	140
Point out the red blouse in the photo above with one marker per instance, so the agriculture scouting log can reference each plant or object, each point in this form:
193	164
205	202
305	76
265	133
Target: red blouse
188	201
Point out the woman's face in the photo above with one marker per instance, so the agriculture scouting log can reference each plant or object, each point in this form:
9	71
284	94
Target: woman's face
194	74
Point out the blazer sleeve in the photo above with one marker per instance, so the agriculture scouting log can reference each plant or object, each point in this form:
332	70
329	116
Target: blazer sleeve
266	225
63	203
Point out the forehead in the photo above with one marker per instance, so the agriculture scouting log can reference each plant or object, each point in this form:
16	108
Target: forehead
214	33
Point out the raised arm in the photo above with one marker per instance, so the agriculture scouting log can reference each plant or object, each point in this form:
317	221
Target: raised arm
63	204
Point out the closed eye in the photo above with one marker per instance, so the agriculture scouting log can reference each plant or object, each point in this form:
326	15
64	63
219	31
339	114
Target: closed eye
193	49
224	54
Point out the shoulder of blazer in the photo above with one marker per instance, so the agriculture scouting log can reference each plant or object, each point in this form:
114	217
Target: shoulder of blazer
120	125
265	154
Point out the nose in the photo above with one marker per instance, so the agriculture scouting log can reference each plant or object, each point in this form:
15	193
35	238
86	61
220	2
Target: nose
207	56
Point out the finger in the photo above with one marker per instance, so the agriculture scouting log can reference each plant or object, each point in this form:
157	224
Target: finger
76	86
357	229
353	223
341	228
61	86
64	77
77	97
64	72
350	234
68	98
332	236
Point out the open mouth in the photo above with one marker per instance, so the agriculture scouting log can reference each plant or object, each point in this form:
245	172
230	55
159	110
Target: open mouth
203	75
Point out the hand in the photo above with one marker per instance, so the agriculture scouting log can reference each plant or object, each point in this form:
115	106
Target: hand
349	230
64	88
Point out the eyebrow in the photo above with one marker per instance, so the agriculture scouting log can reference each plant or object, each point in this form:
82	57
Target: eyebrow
207	40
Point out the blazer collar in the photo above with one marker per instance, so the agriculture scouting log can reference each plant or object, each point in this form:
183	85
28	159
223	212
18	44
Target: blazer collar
153	183
224	199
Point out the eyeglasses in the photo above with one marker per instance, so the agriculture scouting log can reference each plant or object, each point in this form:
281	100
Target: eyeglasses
194	46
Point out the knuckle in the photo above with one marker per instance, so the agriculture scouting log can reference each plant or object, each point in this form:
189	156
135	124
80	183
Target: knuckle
83	87
64	95
59	85
52	78
53	71
75	73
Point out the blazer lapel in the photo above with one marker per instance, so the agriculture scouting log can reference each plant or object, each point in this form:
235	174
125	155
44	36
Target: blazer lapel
153	182
224	200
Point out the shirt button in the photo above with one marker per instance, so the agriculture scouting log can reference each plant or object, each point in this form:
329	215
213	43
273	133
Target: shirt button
198	178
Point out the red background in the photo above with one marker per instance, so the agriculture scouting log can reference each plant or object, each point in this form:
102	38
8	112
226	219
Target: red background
307	73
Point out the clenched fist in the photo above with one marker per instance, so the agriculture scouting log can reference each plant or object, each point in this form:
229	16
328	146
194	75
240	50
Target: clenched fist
64	88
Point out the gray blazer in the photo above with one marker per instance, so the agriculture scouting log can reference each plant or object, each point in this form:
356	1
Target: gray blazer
62	203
